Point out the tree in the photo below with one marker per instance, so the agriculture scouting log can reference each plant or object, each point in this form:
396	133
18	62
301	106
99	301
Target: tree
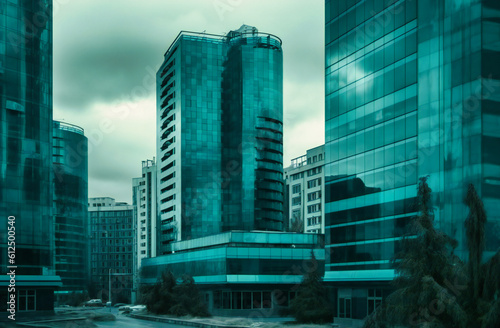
427	293
174	296
159	298
297	225
188	300
483	293
311	305
424	268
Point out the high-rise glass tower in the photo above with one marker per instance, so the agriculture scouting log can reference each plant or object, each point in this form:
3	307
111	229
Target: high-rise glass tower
219	126
411	90
26	131
70	163
459	111
26	145
371	130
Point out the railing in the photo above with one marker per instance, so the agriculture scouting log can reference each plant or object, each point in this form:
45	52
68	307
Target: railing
68	127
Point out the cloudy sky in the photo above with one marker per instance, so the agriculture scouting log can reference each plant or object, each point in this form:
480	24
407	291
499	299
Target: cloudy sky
106	53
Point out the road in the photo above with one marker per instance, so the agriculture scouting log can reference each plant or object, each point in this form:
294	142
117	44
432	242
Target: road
124	321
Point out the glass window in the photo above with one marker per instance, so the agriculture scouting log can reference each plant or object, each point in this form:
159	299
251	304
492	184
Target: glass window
26	300
236	300
247	300
374	299
257	300
344	309
266	300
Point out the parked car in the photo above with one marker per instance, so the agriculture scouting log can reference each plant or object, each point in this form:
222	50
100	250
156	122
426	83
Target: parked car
137	307
124	308
119	304
93	303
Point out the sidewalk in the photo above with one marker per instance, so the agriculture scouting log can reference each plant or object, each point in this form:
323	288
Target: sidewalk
181	322
275	322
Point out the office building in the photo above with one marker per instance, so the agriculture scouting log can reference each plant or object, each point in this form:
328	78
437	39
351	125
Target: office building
219	134
220	173
304	184
70	167
248	274
145	218
26	153
111	253
383	67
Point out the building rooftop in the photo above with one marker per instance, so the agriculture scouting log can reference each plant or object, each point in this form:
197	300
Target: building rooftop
68	127
292	239
244	31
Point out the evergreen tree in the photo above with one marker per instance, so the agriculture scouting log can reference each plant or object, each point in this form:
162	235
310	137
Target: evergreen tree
424	268
177	297
427	294
159	298
311	305
482	301
188	300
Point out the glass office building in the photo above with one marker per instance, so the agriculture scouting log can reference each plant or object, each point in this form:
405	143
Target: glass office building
26	148
252	131
219	134
242	273
371	130
459	101
70	167
411	90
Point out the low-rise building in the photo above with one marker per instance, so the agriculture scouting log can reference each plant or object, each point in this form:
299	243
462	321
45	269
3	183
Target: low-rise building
241	273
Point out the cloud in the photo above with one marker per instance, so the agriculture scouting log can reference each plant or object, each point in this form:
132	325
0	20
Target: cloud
105	51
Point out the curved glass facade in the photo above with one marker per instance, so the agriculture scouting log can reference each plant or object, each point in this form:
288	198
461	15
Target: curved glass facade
70	162
26	132
252	99
219	124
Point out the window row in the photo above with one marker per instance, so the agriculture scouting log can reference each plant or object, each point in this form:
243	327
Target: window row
314	159
314	195
314	183
387	207
365	252
396	131
314	208
314	171
242	300
371	230
399	154
339	124
370	88
314	220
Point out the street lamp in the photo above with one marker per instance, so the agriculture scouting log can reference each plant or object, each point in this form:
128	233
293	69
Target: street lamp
109	292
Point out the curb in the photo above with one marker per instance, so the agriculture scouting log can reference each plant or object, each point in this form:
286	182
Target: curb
42	322
182	322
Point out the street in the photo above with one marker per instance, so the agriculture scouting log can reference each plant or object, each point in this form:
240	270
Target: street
124	321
